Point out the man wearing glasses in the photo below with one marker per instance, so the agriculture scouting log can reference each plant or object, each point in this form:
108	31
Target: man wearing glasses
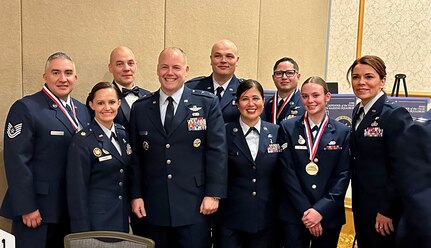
286	102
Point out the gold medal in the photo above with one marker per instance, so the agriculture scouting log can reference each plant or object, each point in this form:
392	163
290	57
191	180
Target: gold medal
97	152
197	143
312	168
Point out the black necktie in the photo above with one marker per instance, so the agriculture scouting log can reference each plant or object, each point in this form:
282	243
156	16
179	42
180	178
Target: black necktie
359	113
314	128
114	137
251	129
219	91
134	90
280	103
69	110
169	114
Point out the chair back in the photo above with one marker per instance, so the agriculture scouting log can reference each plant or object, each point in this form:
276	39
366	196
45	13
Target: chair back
106	239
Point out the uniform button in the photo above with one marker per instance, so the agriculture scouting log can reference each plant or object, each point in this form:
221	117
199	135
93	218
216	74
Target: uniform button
168	146
168	161
170	176
254	193
253	180
313	186
121	170
120	184
254	167
120	197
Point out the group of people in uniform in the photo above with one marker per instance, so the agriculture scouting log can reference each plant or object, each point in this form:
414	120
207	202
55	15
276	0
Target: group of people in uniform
211	162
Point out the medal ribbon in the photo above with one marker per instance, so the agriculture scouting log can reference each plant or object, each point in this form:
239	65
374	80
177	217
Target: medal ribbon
312	147
72	119
276	112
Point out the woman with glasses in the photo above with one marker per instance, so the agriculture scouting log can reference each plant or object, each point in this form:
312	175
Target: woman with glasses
247	217
315	172
97	167
376	126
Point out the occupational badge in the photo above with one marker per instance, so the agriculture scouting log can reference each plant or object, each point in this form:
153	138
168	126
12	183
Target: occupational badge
128	149
145	145
301	140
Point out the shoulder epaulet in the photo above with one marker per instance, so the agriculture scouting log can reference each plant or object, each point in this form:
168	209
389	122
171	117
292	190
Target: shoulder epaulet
146	96
203	93
195	79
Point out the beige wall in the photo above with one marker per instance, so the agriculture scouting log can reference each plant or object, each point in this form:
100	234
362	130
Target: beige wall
264	30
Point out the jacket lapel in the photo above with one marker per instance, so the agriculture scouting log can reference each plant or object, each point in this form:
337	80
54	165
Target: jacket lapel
105	142
59	114
182	110
371	115
240	142
155	112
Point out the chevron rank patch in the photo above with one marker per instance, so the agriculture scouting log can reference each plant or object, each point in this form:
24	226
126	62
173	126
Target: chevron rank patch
13	131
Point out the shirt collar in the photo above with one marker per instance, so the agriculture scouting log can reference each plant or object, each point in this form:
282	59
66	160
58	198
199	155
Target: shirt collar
216	84
120	87
368	106
176	96
106	130
245	127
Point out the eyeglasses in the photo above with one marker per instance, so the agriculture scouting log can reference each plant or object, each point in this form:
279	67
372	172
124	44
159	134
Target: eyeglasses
289	73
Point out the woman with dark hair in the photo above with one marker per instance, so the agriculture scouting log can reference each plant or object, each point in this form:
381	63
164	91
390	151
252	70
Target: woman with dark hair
247	217
98	161
376	126
315	172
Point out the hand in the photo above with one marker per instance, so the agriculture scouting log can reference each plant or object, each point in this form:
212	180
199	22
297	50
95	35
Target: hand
32	219
138	207
316	230
384	225
311	218
209	205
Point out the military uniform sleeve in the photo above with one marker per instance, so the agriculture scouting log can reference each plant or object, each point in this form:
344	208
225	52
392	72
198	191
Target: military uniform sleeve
18	152
216	153
78	179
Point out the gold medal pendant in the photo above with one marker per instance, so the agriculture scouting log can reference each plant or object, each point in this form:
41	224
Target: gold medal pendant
312	168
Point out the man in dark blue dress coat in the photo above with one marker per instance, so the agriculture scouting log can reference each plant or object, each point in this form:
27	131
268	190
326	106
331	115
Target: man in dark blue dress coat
222	82
413	170
179	158
38	131
123	67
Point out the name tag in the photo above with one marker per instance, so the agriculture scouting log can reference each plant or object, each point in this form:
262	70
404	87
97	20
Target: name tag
300	147
104	158
57	133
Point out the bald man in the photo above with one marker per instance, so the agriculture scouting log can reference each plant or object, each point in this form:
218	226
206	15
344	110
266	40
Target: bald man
222	82
166	127
123	66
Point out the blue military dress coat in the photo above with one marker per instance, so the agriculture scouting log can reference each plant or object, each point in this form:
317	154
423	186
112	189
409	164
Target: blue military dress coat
227	103
97	181
174	171
292	109
252	200
373	153
324	191
37	136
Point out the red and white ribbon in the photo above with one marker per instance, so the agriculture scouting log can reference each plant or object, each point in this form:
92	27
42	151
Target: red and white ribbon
72	119
312	147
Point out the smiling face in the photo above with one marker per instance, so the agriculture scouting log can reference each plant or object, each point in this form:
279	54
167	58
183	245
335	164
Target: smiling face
224	59
285	83
314	99
366	82
250	105
60	77
172	70
105	105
